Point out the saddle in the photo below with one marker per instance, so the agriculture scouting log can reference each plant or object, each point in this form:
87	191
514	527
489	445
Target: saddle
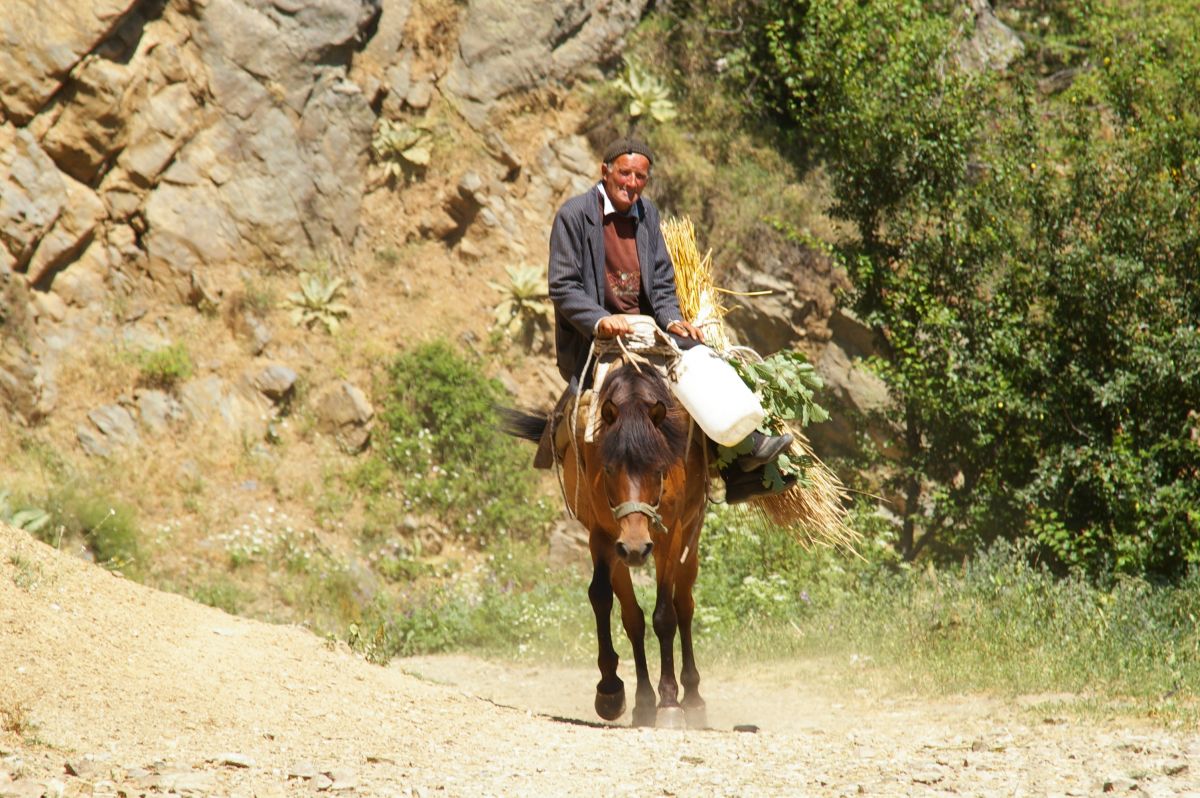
555	437
644	344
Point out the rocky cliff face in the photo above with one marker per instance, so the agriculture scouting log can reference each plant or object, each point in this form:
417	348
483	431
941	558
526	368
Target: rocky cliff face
149	147
163	138
155	152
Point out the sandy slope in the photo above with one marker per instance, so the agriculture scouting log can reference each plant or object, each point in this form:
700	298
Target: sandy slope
145	693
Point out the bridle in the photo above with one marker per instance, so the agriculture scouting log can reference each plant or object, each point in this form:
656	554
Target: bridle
623	509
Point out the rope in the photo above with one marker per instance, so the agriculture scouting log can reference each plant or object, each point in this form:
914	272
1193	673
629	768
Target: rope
646	339
704	476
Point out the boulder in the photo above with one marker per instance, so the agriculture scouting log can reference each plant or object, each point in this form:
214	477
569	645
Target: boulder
158	131
345	413
83	284
24	394
69	235
275	382
212	402
112	427
158	411
509	45
32	194
41	42
992	45
859	400
90	126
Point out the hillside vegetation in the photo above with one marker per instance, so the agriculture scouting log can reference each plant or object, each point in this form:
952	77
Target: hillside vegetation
1023	242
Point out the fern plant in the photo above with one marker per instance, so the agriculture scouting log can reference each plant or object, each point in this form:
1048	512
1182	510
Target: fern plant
401	148
647	93
317	302
524	313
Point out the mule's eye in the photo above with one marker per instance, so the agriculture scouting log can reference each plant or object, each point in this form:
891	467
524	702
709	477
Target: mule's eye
657	413
608	412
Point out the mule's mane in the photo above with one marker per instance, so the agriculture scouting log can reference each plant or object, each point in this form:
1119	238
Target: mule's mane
632	441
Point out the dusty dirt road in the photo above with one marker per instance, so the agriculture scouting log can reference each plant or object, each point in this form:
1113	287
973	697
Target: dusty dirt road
108	688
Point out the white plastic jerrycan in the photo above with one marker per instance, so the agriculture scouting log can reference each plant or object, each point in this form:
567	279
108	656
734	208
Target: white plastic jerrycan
715	396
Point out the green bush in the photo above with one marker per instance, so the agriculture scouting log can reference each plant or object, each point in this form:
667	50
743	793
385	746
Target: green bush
108	529
514	603
166	367
444	444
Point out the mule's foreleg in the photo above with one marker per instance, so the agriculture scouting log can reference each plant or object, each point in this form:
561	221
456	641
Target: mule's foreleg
685	607
634	621
665	624
610	691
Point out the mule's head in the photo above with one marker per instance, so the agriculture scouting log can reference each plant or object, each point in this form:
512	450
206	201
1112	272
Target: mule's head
640	438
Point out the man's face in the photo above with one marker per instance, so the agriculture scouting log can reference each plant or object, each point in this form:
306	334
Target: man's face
624	179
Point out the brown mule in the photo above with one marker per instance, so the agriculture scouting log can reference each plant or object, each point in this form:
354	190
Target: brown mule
640	487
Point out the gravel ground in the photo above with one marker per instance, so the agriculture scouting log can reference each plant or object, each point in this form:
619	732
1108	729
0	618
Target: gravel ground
108	688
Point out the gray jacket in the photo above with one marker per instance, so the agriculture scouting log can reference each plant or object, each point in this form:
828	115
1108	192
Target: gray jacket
577	280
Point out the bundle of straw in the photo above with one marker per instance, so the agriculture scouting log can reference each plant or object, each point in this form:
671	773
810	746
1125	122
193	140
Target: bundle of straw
813	510
694	282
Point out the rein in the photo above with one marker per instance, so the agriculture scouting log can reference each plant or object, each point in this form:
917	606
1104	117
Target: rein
654	342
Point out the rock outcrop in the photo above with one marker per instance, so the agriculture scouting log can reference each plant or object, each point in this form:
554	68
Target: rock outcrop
179	136
503	49
147	147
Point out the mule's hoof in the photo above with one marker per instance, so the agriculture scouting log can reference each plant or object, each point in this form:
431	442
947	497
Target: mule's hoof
610	706
670	718
697	717
644	715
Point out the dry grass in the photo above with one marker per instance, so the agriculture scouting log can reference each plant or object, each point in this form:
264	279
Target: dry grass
814	513
15	717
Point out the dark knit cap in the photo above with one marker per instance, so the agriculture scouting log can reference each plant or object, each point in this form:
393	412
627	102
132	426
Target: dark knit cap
627	145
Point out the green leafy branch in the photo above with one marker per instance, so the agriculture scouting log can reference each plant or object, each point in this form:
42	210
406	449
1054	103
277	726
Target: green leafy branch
785	384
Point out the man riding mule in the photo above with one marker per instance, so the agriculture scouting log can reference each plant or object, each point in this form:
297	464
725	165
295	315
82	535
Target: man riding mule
633	465
608	259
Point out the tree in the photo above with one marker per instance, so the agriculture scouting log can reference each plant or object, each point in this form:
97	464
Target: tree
1029	260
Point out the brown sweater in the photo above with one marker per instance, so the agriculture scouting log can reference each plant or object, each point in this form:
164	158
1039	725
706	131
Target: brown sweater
623	289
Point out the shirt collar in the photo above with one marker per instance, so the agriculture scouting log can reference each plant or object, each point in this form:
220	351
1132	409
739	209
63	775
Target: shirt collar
634	212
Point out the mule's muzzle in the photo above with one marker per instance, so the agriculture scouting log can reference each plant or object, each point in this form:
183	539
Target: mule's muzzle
635	555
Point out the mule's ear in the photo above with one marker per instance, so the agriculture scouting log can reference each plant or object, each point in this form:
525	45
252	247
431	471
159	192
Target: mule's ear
608	412
657	413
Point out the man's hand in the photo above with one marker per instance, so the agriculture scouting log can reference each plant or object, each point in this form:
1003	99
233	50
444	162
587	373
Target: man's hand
686	330
613	326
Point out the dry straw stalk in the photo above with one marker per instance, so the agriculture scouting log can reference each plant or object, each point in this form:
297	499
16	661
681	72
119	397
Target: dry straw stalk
814	513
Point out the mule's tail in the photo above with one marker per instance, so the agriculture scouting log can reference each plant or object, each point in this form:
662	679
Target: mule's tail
520	424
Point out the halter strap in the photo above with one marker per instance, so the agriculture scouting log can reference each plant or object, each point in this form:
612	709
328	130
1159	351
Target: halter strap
623	509
629	508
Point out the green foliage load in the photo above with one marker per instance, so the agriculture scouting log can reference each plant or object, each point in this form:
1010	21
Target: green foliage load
786	385
1028	255
445	446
